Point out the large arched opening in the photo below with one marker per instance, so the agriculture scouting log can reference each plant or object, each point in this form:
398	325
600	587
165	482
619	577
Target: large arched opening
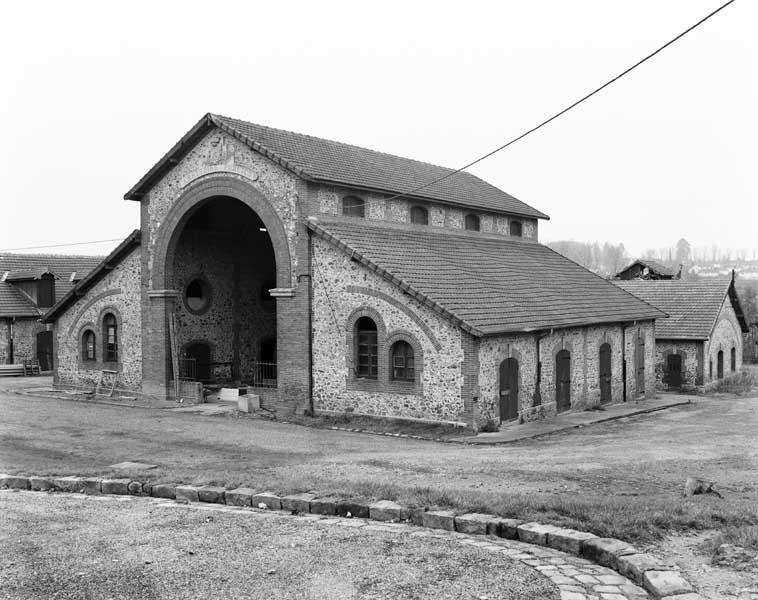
223	268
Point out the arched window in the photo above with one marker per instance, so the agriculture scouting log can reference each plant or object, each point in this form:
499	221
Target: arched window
720	364
402	361
110	338
197	296
472	223
366	353
88	345
516	228
353	206
734	359
419	215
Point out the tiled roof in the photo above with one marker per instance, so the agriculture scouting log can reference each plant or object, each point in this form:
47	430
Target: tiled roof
13	302
326	161
692	306
488	283
102	268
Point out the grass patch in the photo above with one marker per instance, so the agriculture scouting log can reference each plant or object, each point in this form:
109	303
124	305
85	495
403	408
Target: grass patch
429	431
739	384
745	537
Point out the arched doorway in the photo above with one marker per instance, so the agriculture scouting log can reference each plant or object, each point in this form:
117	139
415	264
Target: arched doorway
674	371
508	389
563	380
640	364
222	260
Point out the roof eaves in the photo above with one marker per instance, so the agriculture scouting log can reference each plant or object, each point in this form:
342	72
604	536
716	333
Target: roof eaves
402	285
106	266
168	160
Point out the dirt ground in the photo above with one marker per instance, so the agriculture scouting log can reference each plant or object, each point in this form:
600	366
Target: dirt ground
69	547
629	471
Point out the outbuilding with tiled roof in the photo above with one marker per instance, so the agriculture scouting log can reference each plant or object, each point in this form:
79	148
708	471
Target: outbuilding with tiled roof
701	339
329	278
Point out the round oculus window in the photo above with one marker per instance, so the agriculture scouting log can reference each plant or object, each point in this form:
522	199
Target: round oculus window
197	295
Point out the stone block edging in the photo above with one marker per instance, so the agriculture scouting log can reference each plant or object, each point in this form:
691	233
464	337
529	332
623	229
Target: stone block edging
644	570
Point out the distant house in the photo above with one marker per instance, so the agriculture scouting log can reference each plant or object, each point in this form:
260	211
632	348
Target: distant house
29	285
644	268
701	341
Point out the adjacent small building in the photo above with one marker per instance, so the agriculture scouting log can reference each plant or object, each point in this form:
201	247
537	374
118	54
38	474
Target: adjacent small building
701	340
645	268
29	285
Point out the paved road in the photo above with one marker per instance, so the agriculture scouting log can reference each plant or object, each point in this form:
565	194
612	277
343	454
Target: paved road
77	547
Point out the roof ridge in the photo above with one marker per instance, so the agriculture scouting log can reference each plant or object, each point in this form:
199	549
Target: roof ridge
331	141
26	255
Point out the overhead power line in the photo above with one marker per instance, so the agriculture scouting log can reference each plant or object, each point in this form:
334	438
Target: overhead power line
61	245
568	108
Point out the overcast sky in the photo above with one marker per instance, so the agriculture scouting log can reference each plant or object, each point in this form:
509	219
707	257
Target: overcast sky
95	93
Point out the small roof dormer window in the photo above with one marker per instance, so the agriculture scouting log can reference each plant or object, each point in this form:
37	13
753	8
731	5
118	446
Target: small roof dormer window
419	215
353	206
516	229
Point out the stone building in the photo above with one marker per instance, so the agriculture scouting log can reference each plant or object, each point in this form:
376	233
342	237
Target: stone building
304	269
701	340
29	285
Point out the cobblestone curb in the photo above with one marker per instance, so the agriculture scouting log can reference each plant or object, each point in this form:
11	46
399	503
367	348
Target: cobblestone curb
596	568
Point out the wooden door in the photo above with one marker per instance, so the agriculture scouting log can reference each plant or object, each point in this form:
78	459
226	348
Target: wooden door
508	389
640	364
563	380
45	350
720	364
605	373
674	370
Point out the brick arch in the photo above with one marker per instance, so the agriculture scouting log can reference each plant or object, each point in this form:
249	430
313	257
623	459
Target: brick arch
194	195
403	335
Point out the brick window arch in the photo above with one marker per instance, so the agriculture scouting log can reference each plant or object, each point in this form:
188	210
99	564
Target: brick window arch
472	223
88	345
110	338
419	215
354	206
516	229
402	362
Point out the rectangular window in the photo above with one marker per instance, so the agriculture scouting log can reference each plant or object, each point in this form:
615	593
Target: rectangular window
111	353
368	356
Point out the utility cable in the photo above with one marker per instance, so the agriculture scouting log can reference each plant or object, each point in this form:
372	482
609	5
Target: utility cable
568	108
61	245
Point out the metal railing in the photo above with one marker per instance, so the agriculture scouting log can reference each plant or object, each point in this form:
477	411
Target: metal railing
264	374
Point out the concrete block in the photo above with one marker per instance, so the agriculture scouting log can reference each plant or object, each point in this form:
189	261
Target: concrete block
665	583
16	482
384	510
568	540
212	494
324	506
633	566
475	523
249	403
163	490
692	596
135	488
416	516
352	508
605	551
147	488
507	528
119	487
92	486
68	484
229	394
534	533
298	502
41	484
186	492
439	519
241	496
271	501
